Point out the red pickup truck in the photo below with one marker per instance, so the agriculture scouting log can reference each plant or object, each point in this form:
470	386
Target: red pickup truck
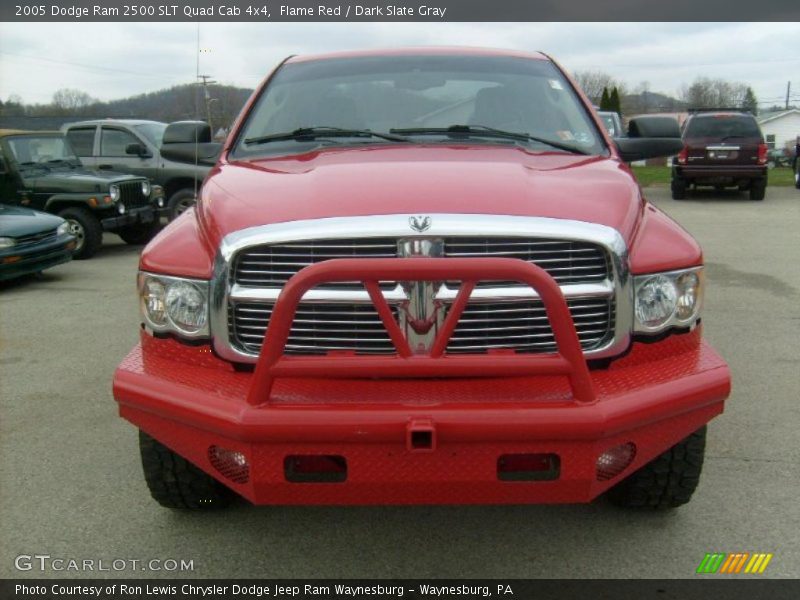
421	276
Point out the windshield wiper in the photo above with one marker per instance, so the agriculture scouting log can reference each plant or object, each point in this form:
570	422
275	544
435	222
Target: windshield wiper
312	133
487	132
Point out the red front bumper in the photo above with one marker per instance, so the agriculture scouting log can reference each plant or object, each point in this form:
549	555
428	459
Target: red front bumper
196	404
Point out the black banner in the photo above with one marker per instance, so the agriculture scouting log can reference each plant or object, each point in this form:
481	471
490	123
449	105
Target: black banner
399	10
703	588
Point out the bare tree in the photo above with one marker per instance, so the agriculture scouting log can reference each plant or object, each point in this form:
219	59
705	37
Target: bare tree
71	101
594	82
705	92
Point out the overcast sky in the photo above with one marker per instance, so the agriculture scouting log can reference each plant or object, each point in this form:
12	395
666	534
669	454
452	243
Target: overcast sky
116	60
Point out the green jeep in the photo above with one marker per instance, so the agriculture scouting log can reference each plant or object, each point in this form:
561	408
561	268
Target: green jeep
40	170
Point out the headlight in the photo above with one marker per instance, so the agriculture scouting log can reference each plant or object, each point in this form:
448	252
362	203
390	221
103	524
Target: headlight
146	188
174	304
186	306
664	300
7	242
63	229
113	191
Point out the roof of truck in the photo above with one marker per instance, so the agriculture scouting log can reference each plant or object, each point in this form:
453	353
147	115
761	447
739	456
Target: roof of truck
422	51
110	121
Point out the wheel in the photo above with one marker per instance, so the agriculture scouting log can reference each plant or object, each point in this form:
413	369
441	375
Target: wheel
678	188
758	189
87	231
667	481
180	201
174	482
141	233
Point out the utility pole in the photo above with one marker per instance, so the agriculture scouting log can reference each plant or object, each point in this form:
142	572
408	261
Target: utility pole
788	91
206	82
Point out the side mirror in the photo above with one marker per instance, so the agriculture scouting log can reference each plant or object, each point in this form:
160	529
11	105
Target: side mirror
190	142
650	137
137	150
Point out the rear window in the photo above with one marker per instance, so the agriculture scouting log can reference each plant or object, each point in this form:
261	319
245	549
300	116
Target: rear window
723	126
82	140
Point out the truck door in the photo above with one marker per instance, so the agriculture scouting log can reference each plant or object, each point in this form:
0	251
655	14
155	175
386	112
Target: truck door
82	140
113	156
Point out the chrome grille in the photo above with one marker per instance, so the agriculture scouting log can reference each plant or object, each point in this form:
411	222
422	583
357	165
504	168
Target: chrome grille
317	328
520	326
130	193
35	238
524	327
271	265
566	261
589	261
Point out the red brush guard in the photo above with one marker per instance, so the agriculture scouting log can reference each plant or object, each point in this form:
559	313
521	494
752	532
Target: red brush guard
420	428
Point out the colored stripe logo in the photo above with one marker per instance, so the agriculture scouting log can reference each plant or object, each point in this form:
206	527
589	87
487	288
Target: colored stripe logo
734	563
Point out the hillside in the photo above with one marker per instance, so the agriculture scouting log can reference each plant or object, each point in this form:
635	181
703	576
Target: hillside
186	101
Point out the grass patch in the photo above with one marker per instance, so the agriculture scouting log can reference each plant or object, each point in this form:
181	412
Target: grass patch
647	176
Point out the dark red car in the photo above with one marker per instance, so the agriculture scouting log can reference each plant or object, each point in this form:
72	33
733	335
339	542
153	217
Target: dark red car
721	149
422	276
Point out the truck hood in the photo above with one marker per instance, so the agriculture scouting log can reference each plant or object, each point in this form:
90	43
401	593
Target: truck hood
375	180
71	180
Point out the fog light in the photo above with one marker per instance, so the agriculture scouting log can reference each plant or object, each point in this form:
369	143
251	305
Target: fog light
121	209
231	464
615	460
161	203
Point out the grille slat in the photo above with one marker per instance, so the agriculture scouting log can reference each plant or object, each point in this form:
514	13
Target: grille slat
131	194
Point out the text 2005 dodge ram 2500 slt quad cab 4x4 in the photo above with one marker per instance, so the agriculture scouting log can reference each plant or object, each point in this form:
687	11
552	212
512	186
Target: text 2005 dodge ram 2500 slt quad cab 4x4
422	276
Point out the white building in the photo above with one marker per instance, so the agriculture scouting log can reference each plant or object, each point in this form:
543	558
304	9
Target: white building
781	129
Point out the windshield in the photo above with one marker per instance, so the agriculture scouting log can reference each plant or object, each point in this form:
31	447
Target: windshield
154	132
382	94
49	149
723	126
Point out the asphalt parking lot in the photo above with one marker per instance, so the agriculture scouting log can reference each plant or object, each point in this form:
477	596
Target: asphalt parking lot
71	485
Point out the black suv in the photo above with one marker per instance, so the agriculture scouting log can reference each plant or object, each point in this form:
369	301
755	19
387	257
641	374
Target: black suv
721	149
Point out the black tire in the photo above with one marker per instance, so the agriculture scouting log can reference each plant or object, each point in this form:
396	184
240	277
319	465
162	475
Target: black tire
758	189
180	201
87	230
140	233
678	188
667	481
174	482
